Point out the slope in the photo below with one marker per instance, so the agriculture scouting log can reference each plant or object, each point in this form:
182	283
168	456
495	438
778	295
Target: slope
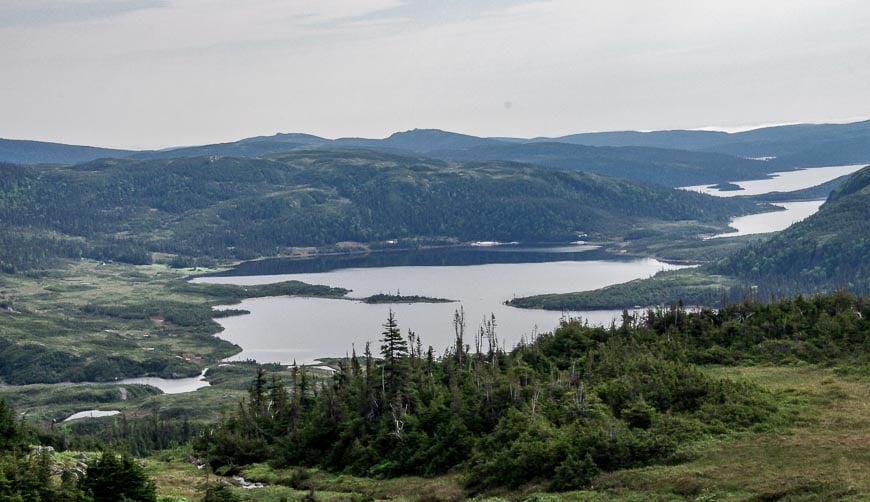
824	252
661	166
41	152
244	208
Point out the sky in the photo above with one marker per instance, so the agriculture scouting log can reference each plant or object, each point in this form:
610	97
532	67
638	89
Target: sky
161	73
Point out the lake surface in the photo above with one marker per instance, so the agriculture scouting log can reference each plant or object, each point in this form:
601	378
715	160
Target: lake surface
480	280
787	181
774	221
170	385
304	329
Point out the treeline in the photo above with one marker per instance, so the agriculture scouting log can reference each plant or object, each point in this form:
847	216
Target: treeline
559	409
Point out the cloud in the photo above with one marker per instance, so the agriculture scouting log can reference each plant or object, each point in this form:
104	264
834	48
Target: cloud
42	12
188	71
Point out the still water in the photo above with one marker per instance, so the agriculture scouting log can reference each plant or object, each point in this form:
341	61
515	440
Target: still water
304	329
170	385
774	221
478	280
787	181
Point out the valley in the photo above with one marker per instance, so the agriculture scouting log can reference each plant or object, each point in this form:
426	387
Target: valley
149	313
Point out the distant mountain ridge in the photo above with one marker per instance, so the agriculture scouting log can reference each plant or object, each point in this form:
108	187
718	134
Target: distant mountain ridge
669	158
39	152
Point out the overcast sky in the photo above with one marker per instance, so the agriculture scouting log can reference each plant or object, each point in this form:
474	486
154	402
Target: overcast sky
158	73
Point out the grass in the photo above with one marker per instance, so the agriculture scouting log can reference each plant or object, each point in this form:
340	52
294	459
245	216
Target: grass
822	454
825	455
690	285
92	321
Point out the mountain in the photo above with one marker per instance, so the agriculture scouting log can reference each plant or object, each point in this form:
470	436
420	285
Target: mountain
41	152
676	139
801	145
249	147
660	166
670	158
227	207
826	251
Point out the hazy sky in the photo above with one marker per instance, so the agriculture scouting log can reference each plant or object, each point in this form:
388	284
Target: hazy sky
156	73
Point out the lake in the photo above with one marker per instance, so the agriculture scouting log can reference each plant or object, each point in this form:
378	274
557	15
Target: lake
479	279
787	181
303	329
774	221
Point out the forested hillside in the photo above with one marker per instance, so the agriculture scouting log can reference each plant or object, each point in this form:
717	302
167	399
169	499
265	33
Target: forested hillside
245	208
830	249
822	253
672	168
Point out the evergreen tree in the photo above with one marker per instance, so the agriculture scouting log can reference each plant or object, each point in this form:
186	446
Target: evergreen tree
394	350
110	479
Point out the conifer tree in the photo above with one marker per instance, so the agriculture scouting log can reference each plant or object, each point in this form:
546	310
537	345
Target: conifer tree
394	350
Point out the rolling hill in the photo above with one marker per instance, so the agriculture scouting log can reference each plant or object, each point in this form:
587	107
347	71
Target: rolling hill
225	207
41	152
825	252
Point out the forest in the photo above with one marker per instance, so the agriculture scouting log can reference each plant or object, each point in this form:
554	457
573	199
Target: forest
822	253
235	208
562	408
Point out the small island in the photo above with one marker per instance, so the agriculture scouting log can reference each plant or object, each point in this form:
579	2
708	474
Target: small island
726	187
398	298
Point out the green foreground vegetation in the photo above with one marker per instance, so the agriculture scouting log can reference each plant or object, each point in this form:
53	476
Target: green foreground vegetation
753	401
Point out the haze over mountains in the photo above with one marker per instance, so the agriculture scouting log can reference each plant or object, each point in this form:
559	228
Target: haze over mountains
669	158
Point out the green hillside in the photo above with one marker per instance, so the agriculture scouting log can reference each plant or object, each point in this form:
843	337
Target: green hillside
244	208
826	251
822	253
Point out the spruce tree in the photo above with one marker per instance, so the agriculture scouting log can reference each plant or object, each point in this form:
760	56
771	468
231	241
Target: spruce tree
394	350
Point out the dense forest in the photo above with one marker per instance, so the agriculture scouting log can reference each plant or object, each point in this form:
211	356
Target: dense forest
125	210
826	251
822	253
561	408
